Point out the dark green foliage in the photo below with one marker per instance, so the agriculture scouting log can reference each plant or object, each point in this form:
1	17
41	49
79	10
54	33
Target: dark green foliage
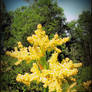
85	22
85	73
5	21
80	46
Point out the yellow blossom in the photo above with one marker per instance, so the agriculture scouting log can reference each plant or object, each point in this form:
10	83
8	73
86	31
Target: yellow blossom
77	64
41	44
71	86
57	50
20	45
87	84
39	26
56	73
53	76
73	79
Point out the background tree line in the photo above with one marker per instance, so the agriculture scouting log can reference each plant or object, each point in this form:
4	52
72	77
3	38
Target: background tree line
17	25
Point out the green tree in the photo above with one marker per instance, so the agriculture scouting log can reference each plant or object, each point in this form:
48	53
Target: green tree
85	22
75	46
25	20
80	45
5	22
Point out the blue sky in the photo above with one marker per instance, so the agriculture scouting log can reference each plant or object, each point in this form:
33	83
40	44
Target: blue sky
13	4
72	8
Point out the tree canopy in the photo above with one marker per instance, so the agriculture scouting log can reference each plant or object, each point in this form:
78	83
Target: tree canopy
80	31
25	20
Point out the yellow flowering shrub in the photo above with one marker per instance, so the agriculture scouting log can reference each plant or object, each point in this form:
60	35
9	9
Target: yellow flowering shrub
57	72
41	44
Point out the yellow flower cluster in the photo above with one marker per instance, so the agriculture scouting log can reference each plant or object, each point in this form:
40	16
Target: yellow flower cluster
53	76
25	53
87	84
41	44
24	78
41	39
